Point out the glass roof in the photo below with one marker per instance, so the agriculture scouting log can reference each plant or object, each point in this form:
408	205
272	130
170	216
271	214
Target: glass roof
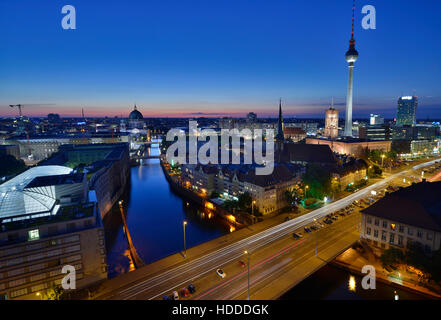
15	200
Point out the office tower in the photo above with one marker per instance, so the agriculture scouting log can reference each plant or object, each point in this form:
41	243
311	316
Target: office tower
406	111
376	120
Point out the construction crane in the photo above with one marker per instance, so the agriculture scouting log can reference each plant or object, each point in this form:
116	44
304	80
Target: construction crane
19	106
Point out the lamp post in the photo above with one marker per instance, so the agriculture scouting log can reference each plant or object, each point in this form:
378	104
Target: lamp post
306	188
185	244
248	257
252	206
316	239
382	160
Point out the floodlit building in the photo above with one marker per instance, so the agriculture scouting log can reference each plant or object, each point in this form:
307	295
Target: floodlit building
47	221
375	119
351	146
331	123
412	214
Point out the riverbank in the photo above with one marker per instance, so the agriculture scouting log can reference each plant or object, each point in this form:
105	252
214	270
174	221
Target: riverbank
353	261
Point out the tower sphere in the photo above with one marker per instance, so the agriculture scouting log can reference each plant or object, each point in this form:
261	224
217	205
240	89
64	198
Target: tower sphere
351	55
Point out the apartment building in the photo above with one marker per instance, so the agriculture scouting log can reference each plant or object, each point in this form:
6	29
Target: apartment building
232	181
411	214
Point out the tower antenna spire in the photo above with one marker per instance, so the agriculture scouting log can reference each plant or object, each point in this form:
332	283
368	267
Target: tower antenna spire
353	19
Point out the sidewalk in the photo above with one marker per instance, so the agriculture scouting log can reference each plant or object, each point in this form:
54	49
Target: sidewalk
354	261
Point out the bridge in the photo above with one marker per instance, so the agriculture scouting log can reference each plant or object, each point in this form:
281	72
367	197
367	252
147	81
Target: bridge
277	261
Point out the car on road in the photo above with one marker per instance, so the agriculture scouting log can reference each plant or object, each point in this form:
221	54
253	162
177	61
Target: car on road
327	221
184	293
307	230
241	263
313	228
221	273
296	236
165	298
175	295
191	288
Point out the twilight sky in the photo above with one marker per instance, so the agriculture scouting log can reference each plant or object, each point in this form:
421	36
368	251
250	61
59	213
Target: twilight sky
216	57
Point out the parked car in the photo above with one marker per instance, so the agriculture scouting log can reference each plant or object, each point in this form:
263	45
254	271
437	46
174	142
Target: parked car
220	273
241	263
297	236
165	298
328	221
175	295
307	230
191	288
184	293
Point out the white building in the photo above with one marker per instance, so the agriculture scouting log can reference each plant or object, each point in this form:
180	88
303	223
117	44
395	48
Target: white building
410	215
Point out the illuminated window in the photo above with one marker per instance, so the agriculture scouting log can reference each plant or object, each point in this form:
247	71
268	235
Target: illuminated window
33	235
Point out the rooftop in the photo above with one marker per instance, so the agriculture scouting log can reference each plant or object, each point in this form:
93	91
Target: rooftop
418	205
16	200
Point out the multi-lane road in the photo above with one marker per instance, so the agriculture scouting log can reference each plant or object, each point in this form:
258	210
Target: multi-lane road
274	253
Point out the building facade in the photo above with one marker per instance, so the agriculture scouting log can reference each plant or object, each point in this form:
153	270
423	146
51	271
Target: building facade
47	221
331	123
352	147
410	215
406	111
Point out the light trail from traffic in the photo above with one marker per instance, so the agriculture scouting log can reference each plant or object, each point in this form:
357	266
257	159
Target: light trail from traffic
158	285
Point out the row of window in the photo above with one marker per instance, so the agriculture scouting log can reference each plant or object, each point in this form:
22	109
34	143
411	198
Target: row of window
24	291
400	228
393	239
38	256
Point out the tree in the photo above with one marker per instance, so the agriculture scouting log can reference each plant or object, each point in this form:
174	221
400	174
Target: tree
318	179
392	256
374	171
415	256
245	201
11	166
54	292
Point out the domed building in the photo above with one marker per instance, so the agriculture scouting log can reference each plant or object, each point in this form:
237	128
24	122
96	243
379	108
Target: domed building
136	119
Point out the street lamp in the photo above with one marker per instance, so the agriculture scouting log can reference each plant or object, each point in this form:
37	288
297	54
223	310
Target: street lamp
316	239
252	206
185	244
306	188
248	257
382	159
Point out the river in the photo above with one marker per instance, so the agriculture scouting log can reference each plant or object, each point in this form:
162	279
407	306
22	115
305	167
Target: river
155	216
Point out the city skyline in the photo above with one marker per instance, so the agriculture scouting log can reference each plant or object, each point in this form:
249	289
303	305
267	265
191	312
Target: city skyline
225	60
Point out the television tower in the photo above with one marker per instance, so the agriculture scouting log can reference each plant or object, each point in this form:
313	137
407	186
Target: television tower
351	57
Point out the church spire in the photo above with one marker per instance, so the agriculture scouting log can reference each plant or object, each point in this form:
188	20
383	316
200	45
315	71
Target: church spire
280	136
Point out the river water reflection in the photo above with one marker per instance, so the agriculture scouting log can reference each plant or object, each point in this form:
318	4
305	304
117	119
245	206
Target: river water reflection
155	216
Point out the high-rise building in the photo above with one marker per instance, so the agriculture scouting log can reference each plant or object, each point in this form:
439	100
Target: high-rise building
376	120
406	110
351	57
331	123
